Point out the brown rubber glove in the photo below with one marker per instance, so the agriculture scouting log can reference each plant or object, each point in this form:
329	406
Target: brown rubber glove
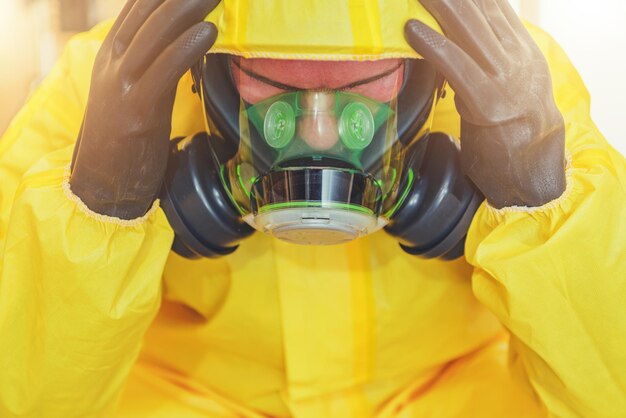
121	153
512	134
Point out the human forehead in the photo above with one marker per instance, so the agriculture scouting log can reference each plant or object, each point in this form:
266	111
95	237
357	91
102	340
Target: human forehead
257	79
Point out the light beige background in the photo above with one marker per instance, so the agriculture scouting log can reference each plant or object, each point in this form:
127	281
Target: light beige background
593	34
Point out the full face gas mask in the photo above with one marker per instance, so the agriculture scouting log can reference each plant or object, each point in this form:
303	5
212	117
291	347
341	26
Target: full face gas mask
316	167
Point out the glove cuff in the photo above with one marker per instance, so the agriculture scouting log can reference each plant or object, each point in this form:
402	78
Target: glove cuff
70	195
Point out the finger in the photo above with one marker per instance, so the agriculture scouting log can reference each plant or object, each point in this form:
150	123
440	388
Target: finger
136	17
514	21
466	25
162	28
462	72
177	58
499	23
120	18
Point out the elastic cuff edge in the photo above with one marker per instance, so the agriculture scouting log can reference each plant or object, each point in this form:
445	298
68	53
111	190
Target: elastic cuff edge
69	194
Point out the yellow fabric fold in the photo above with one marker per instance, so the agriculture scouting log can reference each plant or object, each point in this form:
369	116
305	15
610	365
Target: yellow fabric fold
556	275
76	296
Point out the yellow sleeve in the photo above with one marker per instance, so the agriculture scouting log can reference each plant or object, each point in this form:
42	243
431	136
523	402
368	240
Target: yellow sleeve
556	275
77	290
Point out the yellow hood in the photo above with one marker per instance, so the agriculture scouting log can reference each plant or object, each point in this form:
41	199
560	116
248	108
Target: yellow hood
317	29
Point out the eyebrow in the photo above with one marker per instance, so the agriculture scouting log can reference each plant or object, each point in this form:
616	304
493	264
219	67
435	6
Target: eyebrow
288	87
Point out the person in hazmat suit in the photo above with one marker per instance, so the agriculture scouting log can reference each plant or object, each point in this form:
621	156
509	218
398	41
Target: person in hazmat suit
132	284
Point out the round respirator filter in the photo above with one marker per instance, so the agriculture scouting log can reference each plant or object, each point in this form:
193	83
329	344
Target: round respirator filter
279	126
316	226
316	206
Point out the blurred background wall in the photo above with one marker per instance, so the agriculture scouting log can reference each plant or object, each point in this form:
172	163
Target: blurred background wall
32	35
594	36
33	32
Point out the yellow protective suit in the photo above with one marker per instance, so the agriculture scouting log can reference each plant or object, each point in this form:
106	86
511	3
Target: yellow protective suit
531	323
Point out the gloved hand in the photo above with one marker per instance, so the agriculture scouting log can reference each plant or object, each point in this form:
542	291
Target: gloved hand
512	134
121	153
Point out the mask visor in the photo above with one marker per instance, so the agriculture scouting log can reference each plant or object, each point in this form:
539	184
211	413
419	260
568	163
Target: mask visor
312	166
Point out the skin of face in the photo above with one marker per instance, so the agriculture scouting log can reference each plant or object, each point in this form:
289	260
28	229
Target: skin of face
319	132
